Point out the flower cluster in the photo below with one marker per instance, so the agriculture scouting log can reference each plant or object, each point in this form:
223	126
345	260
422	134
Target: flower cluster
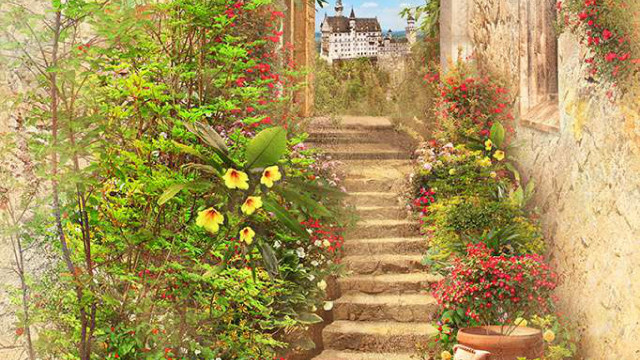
469	106
603	28
496	288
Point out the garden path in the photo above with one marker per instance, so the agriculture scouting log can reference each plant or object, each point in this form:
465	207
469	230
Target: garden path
382	309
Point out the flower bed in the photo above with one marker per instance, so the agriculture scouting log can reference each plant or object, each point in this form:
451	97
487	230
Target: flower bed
483	234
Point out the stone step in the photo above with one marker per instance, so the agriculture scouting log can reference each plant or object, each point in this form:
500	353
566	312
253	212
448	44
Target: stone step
413	245
388	170
364	185
367	229
385	307
388	283
381	212
337	137
350	355
383	263
354	155
368	336
373	199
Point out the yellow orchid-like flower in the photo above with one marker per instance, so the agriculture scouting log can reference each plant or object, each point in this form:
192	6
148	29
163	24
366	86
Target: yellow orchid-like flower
270	175
484	162
488	145
210	219
499	155
549	336
445	355
252	204
247	234
236	179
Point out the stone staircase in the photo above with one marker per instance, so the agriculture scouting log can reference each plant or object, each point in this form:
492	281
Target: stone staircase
383	309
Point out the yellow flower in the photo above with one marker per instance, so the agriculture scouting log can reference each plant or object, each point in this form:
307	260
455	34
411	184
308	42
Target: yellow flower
270	175
210	219
493	174
247	234
549	336
521	322
484	162
252	204
499	155
322	285
236	179
452	171
445	355
488	144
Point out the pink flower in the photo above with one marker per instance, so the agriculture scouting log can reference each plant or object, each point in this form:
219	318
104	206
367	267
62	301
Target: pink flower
606	34
611	57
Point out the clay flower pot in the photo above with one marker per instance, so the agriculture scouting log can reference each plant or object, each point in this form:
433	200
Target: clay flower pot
522	342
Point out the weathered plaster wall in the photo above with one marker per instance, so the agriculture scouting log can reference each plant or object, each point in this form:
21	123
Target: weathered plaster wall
588	187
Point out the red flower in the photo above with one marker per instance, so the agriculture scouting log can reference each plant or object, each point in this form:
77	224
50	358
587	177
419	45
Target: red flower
583	16
611	57
606	34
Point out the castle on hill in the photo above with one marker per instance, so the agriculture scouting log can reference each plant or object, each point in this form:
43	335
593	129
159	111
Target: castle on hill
352	37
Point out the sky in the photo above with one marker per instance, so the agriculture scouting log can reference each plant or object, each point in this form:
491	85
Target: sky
387	11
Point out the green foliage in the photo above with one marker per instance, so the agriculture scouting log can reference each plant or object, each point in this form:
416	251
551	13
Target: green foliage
429	16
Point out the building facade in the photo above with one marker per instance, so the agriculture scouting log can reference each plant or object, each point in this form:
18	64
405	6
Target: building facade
581	149
351	37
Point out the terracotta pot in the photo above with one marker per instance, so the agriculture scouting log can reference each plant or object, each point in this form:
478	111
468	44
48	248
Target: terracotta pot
523	342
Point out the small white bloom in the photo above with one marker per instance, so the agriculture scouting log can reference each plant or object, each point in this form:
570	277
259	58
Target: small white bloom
163	135
322	285
197	352
326	243
277	244
301	253
310	231
328	305
317	243
314	263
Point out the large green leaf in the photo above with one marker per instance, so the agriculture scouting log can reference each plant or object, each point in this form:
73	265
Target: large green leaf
309	318
269	259
284	217
170	192
207	134
302	199
497	134
267	147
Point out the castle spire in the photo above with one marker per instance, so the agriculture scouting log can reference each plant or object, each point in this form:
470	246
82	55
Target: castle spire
339	8
353	14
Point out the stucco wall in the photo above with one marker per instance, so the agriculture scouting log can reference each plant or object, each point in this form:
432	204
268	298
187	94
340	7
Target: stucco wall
588	186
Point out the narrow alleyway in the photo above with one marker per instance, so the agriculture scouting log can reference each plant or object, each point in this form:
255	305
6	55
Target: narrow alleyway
383	308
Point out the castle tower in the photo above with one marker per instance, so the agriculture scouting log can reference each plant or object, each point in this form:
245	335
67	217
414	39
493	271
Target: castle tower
411	32
352	20
339	8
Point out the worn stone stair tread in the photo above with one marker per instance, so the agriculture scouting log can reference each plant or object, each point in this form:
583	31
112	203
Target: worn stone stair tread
386	299
384	263
351	355
389	283
381	212
393	245
380	327
387	222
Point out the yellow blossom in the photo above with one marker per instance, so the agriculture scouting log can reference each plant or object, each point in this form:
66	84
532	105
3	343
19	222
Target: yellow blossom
210	219
452	171
247	234
484	162
236	179
270	175
493	174
252	204
488	145
322	285
499	155
549	336
326	243
445	355
521	322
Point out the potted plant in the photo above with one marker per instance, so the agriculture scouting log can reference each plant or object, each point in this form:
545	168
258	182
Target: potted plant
487	295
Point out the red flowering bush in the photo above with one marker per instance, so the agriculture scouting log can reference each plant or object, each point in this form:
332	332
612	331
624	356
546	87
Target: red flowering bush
469	105
495	290
605	27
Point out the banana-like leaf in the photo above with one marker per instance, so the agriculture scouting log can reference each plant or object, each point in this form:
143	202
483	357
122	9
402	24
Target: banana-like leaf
189	150
267	147
174	189
309	318
497	134
208	135
284	217
269	259
303	199
214	169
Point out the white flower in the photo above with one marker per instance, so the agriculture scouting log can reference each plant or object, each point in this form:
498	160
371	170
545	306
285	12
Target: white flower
310	231
314	308
328	305
311	277
163	135
427	166
197	352
314	263
322	285
326	243
301	253
277	244
317	243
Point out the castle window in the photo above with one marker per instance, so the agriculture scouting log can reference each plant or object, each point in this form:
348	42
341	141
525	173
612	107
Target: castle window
539	66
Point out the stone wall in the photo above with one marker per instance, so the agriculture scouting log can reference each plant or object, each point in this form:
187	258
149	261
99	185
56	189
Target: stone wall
587	171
